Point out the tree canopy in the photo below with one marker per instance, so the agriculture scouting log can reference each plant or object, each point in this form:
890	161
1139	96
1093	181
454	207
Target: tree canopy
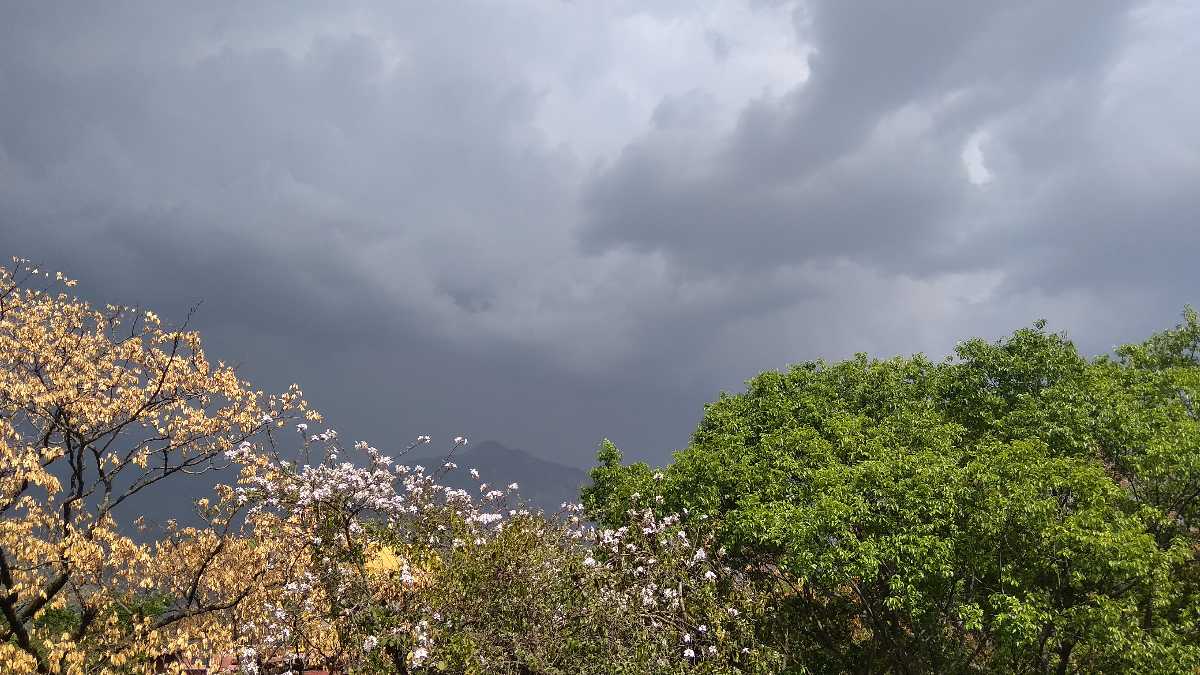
1014	508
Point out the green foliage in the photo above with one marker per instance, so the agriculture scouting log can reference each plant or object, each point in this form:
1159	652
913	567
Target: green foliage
530	598
615	488
1016	508
130	609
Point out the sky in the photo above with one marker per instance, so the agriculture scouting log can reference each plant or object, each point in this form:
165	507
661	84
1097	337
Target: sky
549	222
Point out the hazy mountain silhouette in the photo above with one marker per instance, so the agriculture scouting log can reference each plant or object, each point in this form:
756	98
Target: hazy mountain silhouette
543	483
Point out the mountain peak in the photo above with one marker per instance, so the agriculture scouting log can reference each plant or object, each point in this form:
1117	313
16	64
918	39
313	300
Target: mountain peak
544	483
490	448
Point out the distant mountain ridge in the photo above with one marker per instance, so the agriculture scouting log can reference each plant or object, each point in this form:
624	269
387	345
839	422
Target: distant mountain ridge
543	483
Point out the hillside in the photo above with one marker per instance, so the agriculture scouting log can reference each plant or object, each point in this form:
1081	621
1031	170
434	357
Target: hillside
544	484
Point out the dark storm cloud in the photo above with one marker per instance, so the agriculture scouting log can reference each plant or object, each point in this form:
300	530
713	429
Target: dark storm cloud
364	200
863	160
945	169
550	222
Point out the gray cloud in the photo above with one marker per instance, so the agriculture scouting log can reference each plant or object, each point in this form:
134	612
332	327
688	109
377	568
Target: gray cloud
863	159
855	189
550	222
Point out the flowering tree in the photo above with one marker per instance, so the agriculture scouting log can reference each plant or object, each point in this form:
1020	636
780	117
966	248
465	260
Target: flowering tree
97	406
402	574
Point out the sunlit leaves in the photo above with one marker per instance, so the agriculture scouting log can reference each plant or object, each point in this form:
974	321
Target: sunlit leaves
1015	508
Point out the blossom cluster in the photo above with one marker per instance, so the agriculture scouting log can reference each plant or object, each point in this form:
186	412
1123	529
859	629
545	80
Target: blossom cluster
378	552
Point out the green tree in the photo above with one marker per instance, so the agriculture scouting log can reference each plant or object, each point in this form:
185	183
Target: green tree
1016	508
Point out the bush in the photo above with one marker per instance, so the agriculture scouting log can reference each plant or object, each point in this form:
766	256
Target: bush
403	574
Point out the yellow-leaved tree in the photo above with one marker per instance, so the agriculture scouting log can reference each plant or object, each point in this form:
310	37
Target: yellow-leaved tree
96	407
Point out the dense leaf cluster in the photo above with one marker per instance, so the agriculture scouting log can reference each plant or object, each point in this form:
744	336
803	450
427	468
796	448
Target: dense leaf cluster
1016	508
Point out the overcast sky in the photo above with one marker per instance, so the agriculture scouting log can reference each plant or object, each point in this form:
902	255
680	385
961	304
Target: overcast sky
549	222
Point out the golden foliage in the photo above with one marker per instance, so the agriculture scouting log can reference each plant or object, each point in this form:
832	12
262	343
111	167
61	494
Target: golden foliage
97	406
